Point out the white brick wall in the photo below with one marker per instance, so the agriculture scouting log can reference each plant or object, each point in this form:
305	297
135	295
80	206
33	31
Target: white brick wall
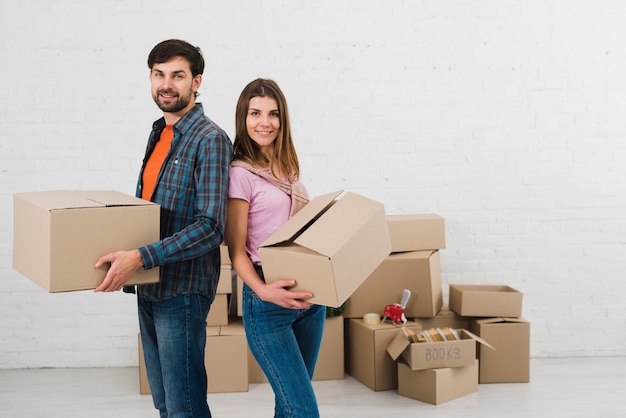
504	116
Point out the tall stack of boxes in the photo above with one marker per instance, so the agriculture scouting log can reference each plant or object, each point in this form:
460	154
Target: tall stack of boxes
413	264
494	313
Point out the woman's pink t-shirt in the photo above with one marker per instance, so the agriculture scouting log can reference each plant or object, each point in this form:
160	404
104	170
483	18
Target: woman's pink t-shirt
269	207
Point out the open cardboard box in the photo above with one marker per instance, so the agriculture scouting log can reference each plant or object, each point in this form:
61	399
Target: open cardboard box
432	355
510	363
417	271
366	357
59	235
329	247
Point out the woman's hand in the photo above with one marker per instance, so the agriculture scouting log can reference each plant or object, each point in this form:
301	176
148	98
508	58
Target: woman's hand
278	294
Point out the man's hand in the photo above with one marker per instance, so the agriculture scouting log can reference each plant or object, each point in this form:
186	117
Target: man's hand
123	266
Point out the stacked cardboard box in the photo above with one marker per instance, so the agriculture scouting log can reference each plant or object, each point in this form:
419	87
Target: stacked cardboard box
219	313
436	371
225	360
413	264
366	352
330	362
494	313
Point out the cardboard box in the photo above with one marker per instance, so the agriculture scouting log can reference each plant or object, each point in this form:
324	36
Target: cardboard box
224	255
225	283
366	356
446	317
330	362
432	355
510	362
417	271
225	360
218	314
329	247
59	235
436	386
144	385
485	300
416	232
239	284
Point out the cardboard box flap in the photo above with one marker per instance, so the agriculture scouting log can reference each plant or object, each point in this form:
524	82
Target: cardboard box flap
398	345
78	199
401	342
351	212
57	199
501	320
113	198
477	338
303	219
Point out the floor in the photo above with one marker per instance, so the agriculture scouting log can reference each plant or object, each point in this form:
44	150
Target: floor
572	387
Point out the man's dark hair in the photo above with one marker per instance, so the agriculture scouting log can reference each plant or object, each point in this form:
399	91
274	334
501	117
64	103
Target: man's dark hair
166	50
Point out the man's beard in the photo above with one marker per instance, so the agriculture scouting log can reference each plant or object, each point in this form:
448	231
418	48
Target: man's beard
179	104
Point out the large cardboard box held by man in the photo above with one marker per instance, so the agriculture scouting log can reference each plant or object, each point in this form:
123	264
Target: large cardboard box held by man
59	235
329	247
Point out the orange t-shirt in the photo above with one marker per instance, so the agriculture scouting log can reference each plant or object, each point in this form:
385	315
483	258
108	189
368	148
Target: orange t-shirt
155	162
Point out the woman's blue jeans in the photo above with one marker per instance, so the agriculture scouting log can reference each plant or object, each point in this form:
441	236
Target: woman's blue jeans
173	334
285	343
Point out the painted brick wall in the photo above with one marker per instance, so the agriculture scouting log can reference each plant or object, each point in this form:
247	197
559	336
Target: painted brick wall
506	117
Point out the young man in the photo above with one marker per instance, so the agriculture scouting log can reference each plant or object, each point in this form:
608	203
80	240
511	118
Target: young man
185	170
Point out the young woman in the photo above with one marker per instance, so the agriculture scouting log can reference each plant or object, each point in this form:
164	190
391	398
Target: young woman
284	331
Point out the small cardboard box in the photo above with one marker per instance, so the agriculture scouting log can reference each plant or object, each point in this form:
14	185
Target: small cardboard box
433	355
225	360
218	314
366	356
510	363
224	255
225	283
436	386
446	317
330	362
329	247
416	232
485	300
417	271
59	235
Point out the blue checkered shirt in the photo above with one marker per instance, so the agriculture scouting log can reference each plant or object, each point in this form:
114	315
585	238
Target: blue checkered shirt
192	191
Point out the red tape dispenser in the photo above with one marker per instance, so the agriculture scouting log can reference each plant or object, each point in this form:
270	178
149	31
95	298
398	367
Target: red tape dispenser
395	312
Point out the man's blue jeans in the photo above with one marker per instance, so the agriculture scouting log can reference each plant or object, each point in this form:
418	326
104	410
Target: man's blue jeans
173	333
285	343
